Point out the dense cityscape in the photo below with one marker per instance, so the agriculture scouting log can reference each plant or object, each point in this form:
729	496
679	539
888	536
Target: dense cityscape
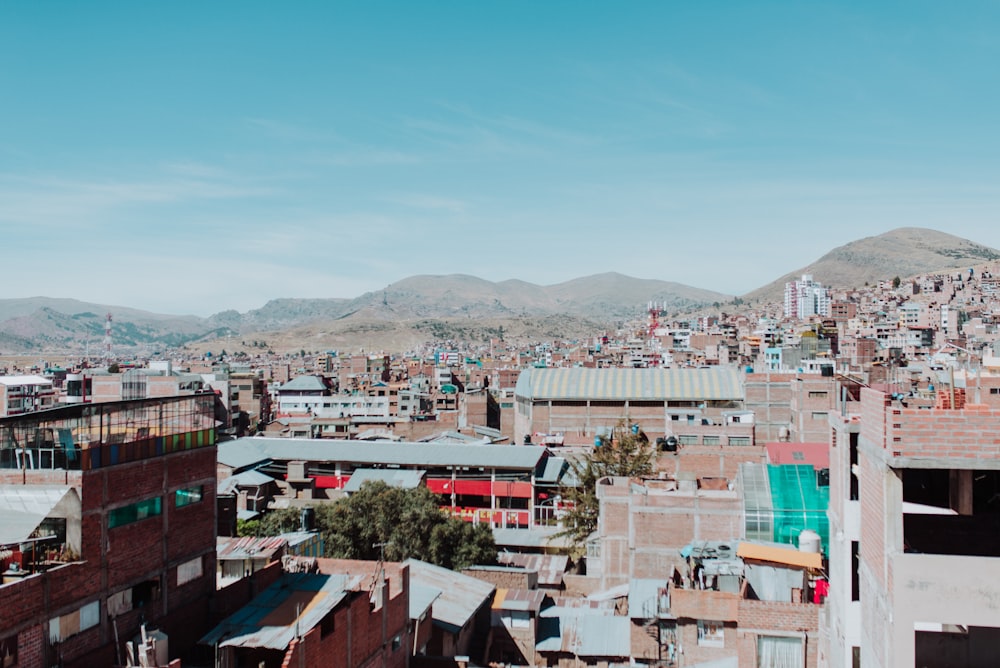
796	483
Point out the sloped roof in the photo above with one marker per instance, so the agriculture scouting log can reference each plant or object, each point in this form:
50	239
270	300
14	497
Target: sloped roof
292	605
461	596
550	567
304	384
23	507
579	383
586	635
243	452
404	478
780	555
247	547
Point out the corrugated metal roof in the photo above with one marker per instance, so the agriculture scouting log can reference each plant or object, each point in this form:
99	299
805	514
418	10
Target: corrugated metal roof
421	598
304	384
780	555
550	567
461	596
536	537
292	605
554	467
716	384
404	478
23	507
247	547
242	451
642	597
251	479
586	635
518	599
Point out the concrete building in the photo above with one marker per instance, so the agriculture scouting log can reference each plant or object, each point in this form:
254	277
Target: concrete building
25	394
806	297
914	554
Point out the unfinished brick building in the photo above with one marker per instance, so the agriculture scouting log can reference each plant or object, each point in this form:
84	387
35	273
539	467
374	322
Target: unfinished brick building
914	521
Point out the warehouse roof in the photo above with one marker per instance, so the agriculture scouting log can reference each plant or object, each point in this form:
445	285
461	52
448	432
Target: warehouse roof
244	452
578	383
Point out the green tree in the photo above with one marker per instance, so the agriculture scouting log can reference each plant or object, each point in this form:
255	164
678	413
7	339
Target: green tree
626	452
404	523
895	282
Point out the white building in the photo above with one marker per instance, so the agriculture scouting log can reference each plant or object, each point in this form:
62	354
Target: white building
25	394
806	297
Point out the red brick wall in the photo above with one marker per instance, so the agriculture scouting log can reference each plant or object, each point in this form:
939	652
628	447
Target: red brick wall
358	627
122	557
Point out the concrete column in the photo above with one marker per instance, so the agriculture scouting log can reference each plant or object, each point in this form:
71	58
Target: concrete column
960	490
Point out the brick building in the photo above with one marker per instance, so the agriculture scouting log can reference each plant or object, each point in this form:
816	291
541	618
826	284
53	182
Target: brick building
138	546
351	617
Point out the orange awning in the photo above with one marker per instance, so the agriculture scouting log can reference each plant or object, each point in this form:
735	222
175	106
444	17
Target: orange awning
780	555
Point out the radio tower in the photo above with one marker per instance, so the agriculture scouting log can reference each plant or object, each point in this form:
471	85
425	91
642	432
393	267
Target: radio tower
107	339
653	309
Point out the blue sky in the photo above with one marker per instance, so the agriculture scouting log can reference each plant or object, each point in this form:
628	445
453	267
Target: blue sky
189	157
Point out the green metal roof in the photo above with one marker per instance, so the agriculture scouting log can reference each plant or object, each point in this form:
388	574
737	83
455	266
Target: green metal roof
798	503
716	384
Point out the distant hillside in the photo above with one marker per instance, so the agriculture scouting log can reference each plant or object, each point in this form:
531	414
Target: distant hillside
903	252
419	308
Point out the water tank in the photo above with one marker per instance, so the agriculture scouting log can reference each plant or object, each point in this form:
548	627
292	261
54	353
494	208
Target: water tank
671	444
308	519
809	541
749	369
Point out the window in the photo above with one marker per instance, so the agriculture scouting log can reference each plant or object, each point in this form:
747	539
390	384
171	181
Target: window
779	651
397	642
817	395
995	390
739	440
327	625
61	628
145	593
134	512
8	651
188	571
819	415
711	634
855	577
710	440
187	496
687	440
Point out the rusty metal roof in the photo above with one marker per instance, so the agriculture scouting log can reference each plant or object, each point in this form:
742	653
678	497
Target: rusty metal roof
550	567
248	547
518	599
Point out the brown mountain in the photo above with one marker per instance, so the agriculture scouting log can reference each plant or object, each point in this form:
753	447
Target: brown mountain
903	252
415	309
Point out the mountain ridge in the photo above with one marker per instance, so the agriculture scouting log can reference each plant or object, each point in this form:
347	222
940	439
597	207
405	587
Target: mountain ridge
435	307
